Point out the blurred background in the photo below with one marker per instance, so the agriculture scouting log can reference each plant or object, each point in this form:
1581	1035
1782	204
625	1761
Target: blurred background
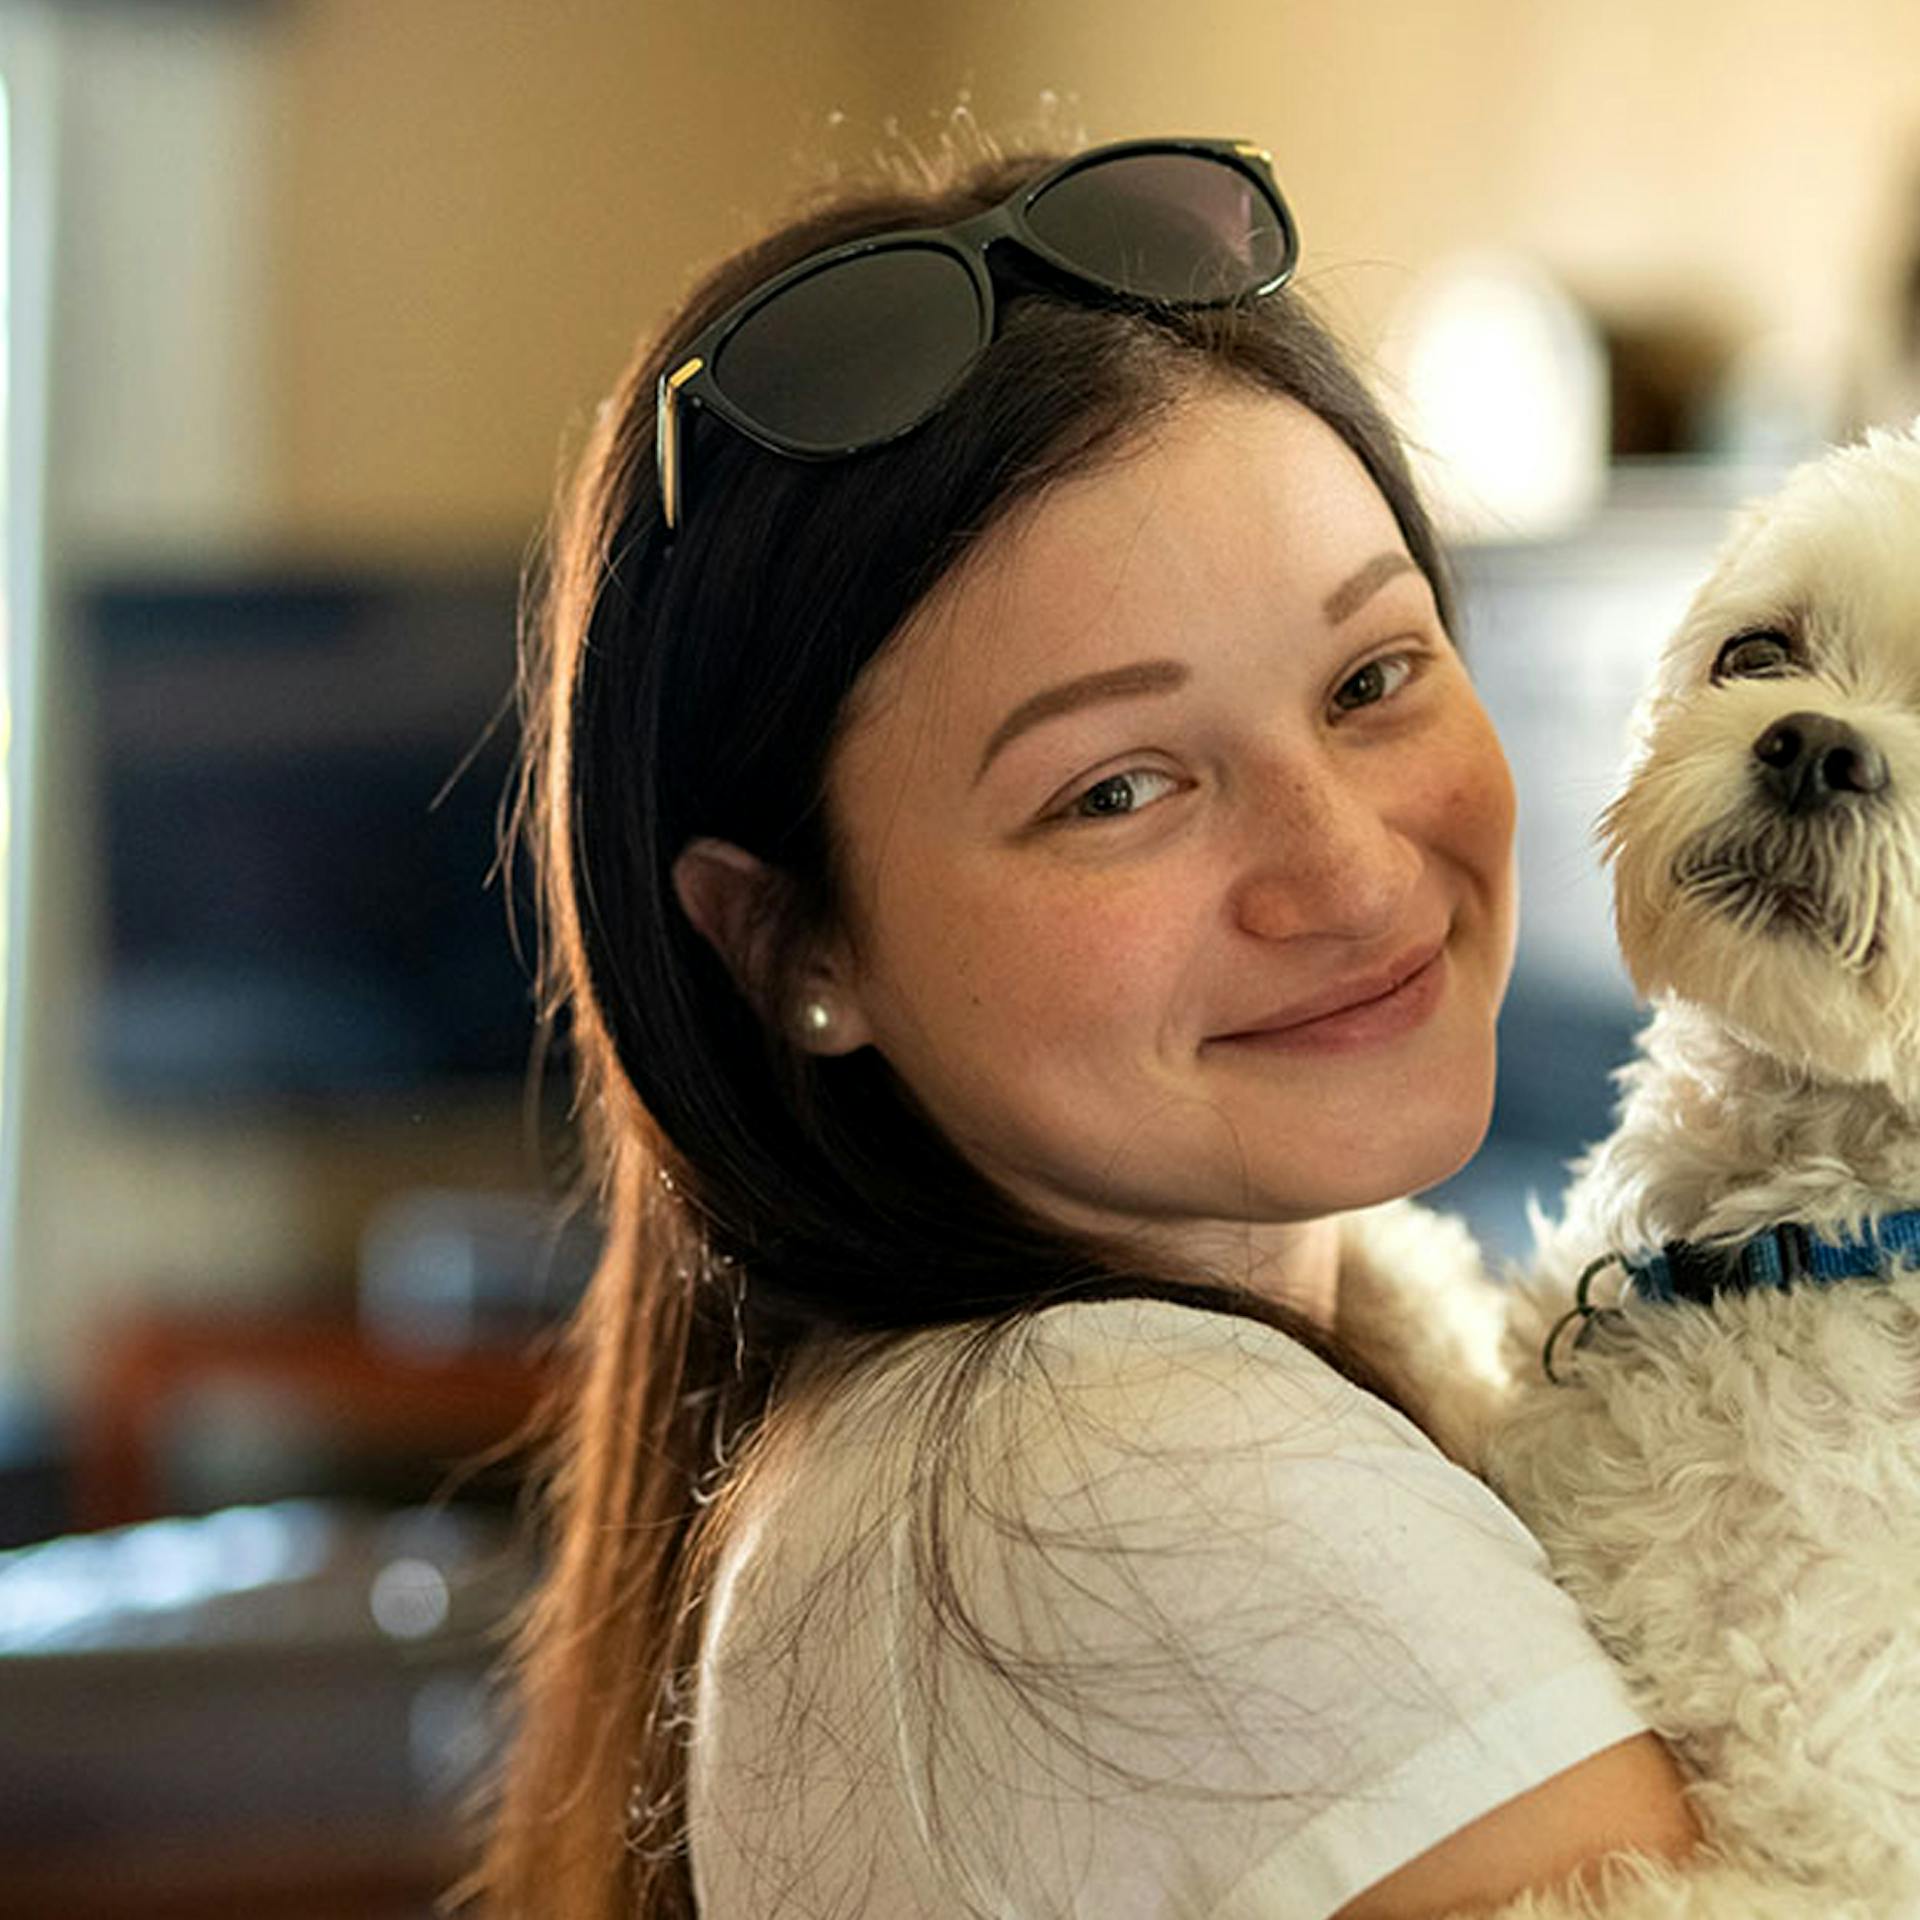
306	305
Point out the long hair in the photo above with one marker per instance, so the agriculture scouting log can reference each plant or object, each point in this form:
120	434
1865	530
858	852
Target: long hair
757	1197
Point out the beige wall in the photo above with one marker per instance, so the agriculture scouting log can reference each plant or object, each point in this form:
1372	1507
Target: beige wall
433	228
338	278
475	205
1738	155
481	204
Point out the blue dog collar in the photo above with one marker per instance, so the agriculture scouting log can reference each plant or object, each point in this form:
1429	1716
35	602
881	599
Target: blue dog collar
1784	1256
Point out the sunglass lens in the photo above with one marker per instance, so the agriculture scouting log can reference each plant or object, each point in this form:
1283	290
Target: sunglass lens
856	352
1166	226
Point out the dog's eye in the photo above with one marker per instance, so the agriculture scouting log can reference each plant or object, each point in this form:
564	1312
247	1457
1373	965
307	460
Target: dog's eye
1754	655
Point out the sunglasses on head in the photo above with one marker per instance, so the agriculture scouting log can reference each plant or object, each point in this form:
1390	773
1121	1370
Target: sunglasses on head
852	347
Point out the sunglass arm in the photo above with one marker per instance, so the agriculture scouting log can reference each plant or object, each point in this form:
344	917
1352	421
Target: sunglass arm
666	441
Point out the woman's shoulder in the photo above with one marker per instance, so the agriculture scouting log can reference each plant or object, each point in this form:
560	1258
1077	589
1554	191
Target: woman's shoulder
1133	1414
1139	1544
1416	1303
1154	1366
1135	1339
1196	1500
1128	1417
1158	1413
1136	1453
1132	1368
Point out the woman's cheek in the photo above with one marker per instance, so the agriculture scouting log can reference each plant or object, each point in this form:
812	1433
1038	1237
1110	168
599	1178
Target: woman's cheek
1480	795
1135	964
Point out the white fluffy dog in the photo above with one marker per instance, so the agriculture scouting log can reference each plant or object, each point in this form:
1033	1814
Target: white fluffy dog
1727	1473
1719	1445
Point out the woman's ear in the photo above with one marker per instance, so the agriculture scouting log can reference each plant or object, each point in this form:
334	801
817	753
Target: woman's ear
726	892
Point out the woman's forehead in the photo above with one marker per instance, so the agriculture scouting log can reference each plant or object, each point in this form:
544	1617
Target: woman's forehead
1239	509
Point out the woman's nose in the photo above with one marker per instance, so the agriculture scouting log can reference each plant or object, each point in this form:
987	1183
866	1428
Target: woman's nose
1322	857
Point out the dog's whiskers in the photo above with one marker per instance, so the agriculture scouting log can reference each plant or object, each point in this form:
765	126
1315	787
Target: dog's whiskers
1767	880
1860	927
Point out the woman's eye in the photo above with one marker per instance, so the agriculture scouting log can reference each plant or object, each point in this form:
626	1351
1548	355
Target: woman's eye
1754	655
1378	680
1106	799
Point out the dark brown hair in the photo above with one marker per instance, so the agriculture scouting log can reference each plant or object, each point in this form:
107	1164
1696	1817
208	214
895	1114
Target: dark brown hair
756	1196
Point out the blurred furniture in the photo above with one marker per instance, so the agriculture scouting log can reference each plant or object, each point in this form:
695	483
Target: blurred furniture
396	1875
296	774
269	1711
445	1406
35	1491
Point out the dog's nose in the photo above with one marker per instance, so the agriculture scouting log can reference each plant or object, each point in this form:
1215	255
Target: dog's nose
1811	760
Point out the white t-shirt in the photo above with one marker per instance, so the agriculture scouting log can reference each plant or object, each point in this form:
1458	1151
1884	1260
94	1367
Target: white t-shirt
1238	1641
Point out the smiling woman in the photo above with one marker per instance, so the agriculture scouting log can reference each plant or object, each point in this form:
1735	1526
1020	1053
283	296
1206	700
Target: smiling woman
1032	883
1320	814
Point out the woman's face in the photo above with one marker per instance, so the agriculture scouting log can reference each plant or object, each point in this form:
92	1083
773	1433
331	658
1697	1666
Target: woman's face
1183	750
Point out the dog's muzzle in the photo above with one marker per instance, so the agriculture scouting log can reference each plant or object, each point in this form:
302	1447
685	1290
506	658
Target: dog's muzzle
1803	851
1810	761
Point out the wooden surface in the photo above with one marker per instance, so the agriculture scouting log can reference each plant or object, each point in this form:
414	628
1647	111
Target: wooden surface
449	1406
352	1875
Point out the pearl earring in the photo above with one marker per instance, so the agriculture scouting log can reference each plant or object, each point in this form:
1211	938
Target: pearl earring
816	1016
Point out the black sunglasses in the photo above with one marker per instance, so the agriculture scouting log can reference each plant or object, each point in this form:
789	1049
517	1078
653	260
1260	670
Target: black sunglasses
857	345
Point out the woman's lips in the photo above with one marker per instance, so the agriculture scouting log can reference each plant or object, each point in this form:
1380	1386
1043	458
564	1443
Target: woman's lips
1387	1016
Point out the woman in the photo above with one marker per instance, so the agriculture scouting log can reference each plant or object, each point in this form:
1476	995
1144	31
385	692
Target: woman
1023	859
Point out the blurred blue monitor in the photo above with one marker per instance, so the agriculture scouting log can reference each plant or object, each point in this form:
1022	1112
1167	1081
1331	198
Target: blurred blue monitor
296	784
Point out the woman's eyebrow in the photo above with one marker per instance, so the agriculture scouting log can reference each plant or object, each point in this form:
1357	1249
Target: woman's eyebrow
1162	676
1111	683
1351	595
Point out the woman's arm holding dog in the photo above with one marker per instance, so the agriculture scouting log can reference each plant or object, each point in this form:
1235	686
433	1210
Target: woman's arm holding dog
1629	1795
1612	1838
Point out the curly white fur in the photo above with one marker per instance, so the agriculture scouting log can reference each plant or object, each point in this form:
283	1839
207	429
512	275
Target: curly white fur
1733	1493
1629	1887
1415	1298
